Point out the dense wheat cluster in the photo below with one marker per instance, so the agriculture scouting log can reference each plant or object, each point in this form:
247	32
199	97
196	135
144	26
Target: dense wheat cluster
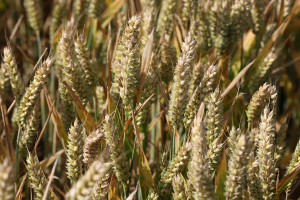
150	99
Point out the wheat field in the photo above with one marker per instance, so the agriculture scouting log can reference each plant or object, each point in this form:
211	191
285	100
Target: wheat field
150	99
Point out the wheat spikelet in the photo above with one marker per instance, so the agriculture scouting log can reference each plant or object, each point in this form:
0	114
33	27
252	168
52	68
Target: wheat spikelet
204	22
162	165
74	152
165	21
202	90
148	90
265	155
188	9
174	167
273	98
262	71
56	18
32	93
237	168
100	96
13	72
29	135
214	153
101	189
67	108
257	12
168	59
179	94
253	181
197	75
257	103
4	81
198	173
83	187
214	116
36	176
130	60
232	139
239	17
213	122
78	12
221	23
288	5
71	71
148	22
95	8
83	56
152	196
7	178
34	14
120	165
295	162
91	145
178	187
280	142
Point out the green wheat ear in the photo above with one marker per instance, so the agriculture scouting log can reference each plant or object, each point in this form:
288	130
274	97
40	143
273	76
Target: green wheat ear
56	18
36	176
95	8
293	164
120	166
72	72
34	14
31	130
74	152
237	168
174	167
182	74
202	90
83	56
32	93
199	178
13	72
83	187
179	188
165	20
4	81
265	154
